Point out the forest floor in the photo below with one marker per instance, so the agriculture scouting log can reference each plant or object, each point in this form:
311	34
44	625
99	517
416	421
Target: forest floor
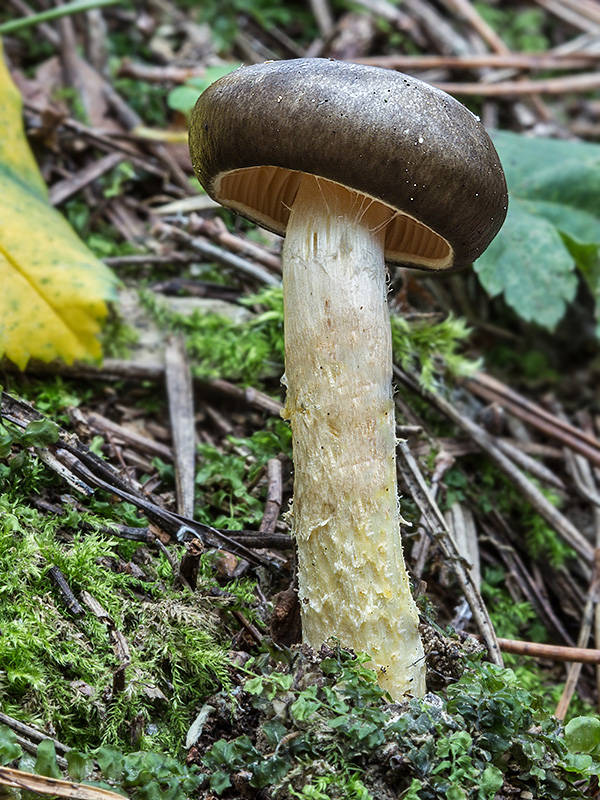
149	625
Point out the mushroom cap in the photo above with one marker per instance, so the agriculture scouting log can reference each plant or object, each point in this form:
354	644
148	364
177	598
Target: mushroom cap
391	137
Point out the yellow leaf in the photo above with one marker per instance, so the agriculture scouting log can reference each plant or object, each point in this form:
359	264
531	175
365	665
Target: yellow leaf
54	289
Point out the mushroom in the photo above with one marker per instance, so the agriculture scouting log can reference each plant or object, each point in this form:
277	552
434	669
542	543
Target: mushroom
355	165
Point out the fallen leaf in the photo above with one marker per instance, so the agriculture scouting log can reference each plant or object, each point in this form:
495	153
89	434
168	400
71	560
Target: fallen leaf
54	288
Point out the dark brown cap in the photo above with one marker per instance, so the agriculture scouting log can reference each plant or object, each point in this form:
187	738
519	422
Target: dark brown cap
391	137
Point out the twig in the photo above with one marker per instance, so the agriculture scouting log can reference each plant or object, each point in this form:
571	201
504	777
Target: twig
274	493
39	784
216	230
118	641
323	16
153	371
167	519
181	413
277	541
574	15
75	7
552	652
49	459
555	519
583	476
103	426
585	630
64	189
60	582
437	526
436	27
505	541
150	258
47	31
529	61
195	288
190	562
531	465
249	395
460	521
573	83
34	734
492	389
212	253
115	529
93	470
392	14
165	73
464	10
32	747
105	140
252	629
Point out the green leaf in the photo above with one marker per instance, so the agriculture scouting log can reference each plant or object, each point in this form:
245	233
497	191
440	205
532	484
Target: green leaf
552	226
274	730
219	781
254	685
40	433
582	734
80	766
269	771
413	790
9	749
46	763
490	783
110	762
306	705
530	264
6	440
183	98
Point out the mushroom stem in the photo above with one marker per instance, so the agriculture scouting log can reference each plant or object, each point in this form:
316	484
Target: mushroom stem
352	580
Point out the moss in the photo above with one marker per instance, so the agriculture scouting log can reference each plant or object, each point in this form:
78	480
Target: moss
252	352
57	670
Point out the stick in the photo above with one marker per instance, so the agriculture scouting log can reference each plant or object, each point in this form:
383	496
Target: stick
64	189
274	492
213	253
60	582
576	83
529	61
181	413
437	526
555	519
492	389
74	7
18	779
552	652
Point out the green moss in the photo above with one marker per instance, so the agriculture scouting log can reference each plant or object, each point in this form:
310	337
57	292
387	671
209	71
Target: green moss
57	670
252	352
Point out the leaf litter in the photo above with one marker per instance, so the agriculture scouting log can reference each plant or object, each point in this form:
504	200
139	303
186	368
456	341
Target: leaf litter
204	628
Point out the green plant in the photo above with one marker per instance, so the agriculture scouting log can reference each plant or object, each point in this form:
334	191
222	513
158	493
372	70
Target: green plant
325	729
183	98
552	227
222	478
56	670
223	17
252	351
521	29
145	775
